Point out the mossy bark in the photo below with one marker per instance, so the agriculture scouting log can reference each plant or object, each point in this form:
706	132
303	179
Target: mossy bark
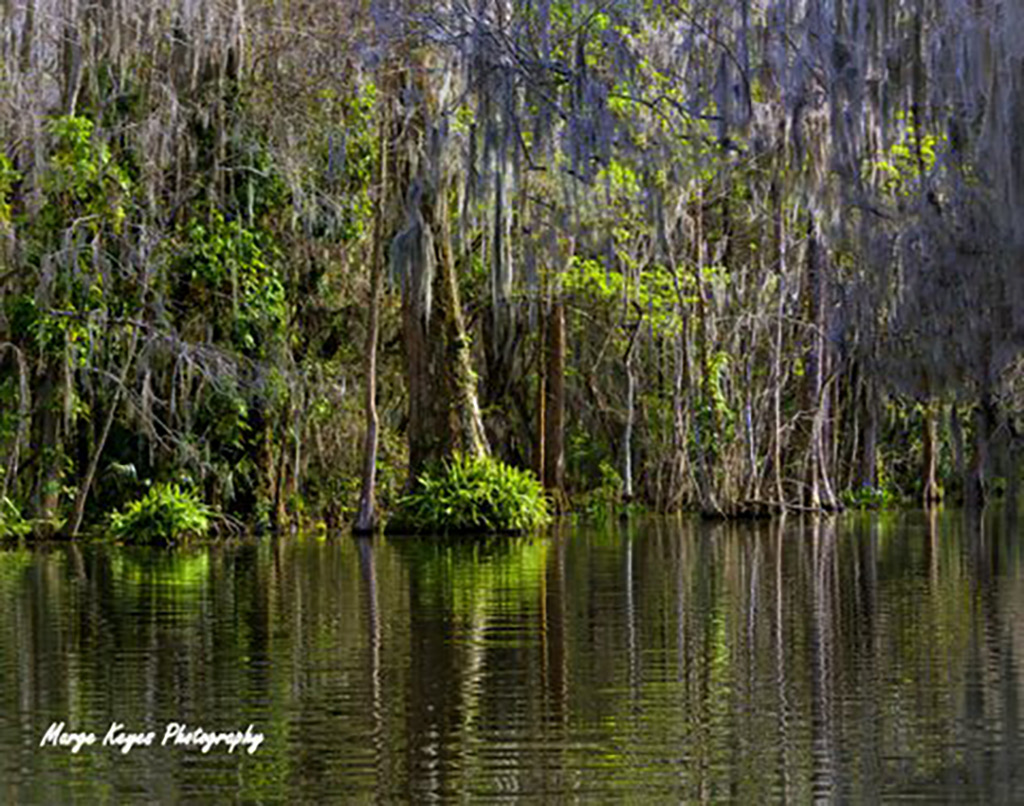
444	412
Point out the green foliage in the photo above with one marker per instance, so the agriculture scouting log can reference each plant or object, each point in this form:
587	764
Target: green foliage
12	524
604	500
620	180
346	141
655	294
224	259
465	494
868	497
716	418
907	158
719	365
86	195
165	514
83	179
8	177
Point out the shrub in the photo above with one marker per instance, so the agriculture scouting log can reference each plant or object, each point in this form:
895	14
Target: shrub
163	515
466	494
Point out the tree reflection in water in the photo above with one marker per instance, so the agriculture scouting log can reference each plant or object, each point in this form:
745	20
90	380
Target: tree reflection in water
856	658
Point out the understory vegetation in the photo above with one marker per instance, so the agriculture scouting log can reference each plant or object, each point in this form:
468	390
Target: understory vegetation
472	495
306	260
164	515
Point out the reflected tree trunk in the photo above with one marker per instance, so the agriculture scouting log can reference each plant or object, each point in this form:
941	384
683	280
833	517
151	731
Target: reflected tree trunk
781	678
368	572
823	648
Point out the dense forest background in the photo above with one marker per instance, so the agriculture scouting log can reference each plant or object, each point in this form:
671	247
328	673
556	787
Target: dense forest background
722	255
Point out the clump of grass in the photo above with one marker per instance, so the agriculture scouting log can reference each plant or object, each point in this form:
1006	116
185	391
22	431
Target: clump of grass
466	495
163	515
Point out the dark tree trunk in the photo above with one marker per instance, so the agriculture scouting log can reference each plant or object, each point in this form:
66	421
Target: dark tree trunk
47	493
554	402
931	492
956	434
27	36
867	475
978	472
542	394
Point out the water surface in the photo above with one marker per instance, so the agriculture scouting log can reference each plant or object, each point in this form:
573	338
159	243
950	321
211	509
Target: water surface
859	658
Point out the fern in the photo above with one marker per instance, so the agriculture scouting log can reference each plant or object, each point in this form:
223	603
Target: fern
466	494
165	514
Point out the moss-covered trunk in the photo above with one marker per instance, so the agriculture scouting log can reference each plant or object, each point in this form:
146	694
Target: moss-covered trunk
444	412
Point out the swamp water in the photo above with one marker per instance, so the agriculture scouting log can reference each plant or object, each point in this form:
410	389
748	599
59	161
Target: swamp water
857	658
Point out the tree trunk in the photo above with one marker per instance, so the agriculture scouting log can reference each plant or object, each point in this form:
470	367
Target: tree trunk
868	472
956	434
9	480
366	517
777	437
627	442
817	393
47	493
27	36
554	403
706	438
542	392
97	454
280	488
444	415
932	494
978	473
553	408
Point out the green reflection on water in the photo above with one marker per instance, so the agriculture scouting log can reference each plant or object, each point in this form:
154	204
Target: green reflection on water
858	658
